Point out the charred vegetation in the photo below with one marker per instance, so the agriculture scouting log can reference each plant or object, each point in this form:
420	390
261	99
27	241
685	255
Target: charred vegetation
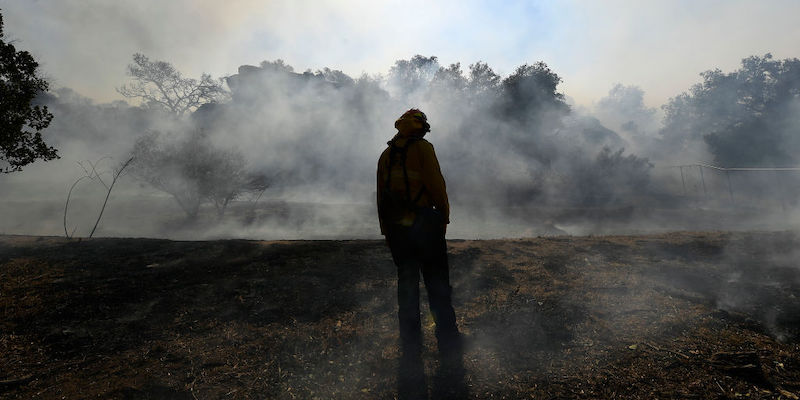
679	315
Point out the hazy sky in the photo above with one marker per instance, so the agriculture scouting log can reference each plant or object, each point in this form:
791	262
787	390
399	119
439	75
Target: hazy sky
660	46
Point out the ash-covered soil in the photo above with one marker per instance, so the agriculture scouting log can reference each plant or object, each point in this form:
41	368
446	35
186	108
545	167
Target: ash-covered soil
680	315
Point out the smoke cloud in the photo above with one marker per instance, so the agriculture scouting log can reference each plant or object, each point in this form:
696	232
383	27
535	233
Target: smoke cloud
518	160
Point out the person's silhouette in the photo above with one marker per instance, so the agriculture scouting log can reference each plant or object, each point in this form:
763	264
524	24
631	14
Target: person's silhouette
413	210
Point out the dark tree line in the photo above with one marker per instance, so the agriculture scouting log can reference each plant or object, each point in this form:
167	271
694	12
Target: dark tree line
515	133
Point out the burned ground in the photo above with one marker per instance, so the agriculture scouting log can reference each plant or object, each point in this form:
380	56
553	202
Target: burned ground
680	315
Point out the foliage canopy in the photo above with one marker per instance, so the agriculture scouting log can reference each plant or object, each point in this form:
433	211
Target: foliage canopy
21	121
748	117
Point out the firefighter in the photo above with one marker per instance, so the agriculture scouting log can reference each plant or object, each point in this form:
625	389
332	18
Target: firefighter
414	212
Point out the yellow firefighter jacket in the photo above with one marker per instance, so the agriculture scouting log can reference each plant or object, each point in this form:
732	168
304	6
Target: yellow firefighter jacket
424	176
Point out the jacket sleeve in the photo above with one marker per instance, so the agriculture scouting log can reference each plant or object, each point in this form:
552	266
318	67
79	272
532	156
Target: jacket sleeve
433	180
379	187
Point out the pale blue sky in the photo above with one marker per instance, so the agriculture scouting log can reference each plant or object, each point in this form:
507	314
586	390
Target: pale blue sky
660	46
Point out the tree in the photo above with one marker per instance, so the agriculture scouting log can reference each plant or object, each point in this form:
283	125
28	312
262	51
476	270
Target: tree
335	76
451	78
624	109
609	179
447	88
276	66
532	90
530	102
159	83
409	76
748	117
482	79
193	171
21	122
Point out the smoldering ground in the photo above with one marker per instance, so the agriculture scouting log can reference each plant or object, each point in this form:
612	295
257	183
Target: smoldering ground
646	316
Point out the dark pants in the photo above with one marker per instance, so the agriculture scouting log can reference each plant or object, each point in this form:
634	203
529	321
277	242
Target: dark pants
430	259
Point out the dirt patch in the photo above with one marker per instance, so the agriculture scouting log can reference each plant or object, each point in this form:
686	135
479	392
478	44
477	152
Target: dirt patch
679	315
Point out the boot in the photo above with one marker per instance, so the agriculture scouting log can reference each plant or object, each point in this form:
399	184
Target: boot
411	384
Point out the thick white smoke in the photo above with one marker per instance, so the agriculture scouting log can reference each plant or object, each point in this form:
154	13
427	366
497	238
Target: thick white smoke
517	159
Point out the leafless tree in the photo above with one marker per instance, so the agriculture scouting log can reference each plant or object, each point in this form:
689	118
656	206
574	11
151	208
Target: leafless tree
158	82
91	173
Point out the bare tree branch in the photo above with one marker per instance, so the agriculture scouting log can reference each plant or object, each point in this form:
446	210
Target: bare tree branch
113	181
91	173
66	204
160	83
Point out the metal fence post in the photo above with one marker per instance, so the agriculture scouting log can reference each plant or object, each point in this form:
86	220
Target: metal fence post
730	188
703	179
683	181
